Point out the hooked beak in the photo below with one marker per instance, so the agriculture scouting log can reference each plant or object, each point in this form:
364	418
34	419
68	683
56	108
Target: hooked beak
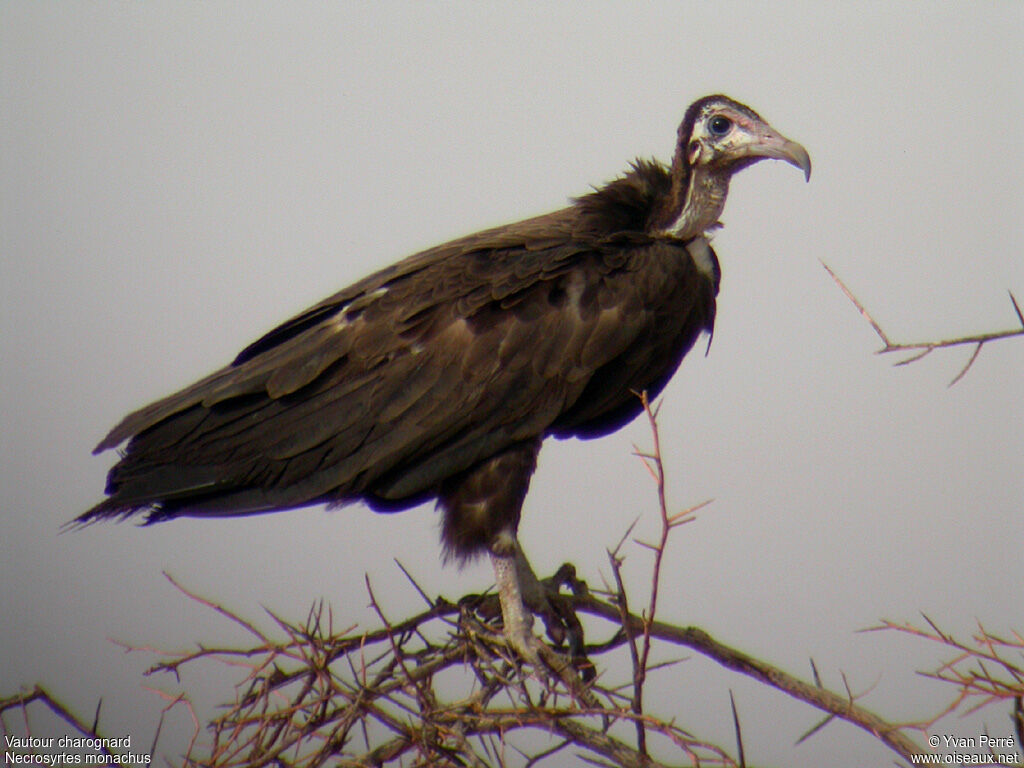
776	146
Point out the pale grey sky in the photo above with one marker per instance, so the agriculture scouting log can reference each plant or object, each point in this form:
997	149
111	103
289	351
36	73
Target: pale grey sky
177	178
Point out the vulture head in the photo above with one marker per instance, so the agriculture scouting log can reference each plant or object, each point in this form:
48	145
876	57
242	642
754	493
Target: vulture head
725	136
717	138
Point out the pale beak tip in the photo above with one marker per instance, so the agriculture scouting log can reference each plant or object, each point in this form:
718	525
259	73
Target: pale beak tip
781	148
800	159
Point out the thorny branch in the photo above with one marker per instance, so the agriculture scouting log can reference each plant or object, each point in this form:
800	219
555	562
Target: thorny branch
985	671
640	657
923	348
38	693
442	688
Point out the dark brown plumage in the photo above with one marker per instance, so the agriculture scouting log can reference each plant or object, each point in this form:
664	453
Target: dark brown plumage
438	377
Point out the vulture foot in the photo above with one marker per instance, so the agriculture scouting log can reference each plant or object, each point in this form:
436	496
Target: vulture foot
522	596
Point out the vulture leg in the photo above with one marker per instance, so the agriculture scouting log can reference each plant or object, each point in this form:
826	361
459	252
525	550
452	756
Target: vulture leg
519	587
522	596
481	512
517	619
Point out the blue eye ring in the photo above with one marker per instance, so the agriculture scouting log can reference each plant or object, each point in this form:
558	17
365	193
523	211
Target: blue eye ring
719	125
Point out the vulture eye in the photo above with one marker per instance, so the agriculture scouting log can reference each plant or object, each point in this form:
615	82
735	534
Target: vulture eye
719	125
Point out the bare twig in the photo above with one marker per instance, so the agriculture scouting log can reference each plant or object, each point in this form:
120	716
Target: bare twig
640	658
839	705
40	694
984	671
922	348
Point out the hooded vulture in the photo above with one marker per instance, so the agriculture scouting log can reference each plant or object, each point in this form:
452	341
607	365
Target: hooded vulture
440	376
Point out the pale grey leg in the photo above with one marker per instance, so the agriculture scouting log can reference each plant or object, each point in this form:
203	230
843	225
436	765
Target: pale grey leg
517	618
515	581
